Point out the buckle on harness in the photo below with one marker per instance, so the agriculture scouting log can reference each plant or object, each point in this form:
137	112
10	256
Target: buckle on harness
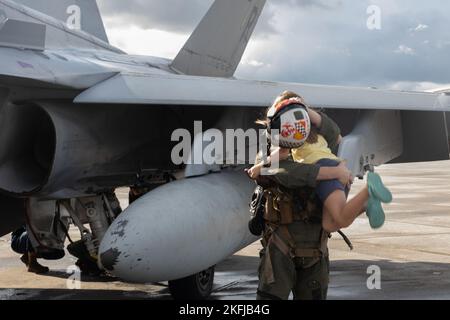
292	253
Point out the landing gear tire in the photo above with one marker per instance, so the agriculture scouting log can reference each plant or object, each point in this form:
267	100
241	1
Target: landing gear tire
195	287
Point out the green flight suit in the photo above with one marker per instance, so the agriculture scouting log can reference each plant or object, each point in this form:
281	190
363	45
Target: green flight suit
307	277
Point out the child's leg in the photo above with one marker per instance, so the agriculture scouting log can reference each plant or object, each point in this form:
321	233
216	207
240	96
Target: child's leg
341	212
328	223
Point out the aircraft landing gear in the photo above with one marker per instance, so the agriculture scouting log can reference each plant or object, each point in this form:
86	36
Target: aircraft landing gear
195	287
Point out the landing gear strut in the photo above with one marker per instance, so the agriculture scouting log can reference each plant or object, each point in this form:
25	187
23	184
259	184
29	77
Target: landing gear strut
195	287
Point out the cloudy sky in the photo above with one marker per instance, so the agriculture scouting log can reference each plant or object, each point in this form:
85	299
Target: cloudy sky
311	41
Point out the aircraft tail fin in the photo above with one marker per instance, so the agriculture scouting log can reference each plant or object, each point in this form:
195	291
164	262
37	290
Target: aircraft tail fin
77	14
219	41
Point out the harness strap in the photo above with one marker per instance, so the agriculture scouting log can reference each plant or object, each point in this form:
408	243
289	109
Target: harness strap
292	251
286	235
268	267
308	253
346	239
281	245
288	249
324	242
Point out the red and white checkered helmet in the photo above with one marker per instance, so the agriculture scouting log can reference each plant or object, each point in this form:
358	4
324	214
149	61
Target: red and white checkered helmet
289	123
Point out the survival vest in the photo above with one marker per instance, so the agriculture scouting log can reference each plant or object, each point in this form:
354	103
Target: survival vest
285	207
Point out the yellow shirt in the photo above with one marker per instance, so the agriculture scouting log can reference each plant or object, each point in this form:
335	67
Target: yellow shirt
310	153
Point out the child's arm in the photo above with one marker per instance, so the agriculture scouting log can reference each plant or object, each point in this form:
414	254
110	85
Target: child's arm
277	155
255	171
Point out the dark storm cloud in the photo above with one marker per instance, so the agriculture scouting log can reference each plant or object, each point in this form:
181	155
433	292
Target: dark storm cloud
321	41
181	16
335	46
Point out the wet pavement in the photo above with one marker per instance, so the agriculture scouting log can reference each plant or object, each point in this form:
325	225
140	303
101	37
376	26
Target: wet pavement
412	252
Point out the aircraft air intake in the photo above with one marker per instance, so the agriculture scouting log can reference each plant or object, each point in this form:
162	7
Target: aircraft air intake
27	146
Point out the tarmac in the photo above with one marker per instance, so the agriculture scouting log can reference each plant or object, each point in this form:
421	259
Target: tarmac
411	252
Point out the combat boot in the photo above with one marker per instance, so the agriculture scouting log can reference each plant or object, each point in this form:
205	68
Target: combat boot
34	266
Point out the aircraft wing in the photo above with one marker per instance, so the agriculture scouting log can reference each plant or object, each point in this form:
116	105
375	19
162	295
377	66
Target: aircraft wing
205	91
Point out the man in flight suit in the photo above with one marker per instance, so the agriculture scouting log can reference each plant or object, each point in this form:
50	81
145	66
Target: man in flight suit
295	254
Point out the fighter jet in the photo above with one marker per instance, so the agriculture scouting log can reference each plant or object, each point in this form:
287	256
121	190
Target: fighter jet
80	118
